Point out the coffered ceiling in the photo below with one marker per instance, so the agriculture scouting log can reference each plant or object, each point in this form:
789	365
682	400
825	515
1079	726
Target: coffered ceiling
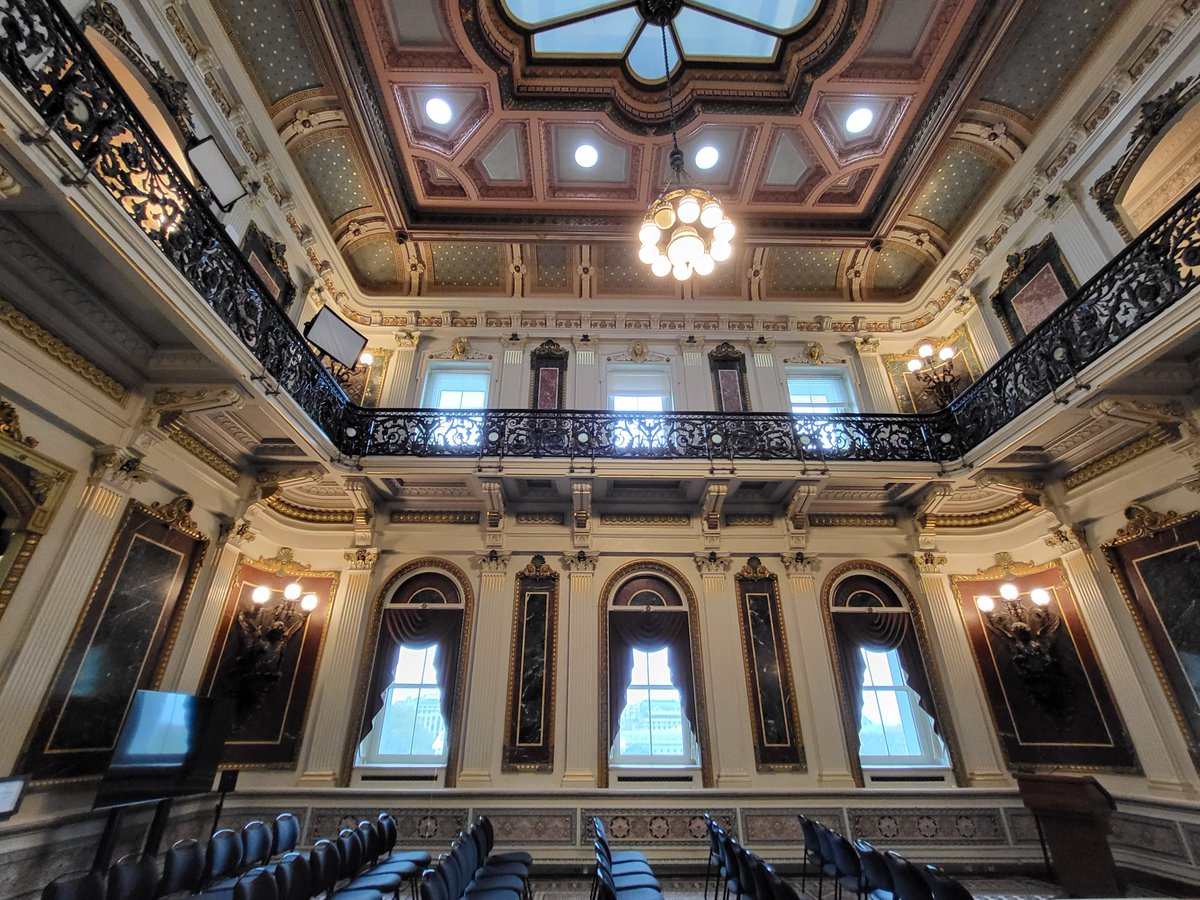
491	201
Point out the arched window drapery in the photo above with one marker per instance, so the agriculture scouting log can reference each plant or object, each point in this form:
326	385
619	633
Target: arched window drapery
646	613
875	632
417	610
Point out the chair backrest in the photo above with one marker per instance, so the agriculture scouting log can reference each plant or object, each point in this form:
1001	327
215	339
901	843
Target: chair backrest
433	885
223	855
256	844
714	838
349	852
183	868
943	886
371	842
294	877
780	889
812	841
132	877
387	823
759	869
824	836
453	873
257	884
844	856
286	834
606	889
907	881
598	825
876	875
75	886
323	864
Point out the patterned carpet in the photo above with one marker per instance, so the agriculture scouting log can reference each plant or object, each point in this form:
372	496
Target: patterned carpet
1014	888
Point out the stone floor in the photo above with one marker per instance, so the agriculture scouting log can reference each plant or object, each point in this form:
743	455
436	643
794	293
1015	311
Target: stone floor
982	888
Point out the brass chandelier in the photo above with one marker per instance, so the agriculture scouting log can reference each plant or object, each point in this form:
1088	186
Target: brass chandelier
685	230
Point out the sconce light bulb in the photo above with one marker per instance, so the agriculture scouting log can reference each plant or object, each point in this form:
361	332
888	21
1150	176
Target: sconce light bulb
914	365
261	595
308	602
366	358
945	353
985	603
1009	591
1040	596
292	591
925	351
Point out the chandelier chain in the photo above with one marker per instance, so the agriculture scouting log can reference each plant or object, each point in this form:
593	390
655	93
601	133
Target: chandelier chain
671	104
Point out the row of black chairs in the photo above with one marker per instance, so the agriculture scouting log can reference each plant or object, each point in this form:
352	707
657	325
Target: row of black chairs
257	862
740	872
473	869
621	874
859	867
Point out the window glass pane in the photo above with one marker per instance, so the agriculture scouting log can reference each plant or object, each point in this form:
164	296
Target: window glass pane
819	393
894	730
703	35
652	727
534	12
449	387
781	14
646	56
871	740
410	729
607	35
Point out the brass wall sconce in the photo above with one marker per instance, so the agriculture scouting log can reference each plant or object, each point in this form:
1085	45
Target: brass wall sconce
1029	625
266	630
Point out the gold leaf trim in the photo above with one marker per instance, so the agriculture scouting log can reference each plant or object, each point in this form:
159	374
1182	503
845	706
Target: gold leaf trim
203	451
435	517
652	521
1156	437
309	514
867	520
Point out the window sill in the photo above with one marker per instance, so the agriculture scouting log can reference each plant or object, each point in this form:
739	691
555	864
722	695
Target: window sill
899	777
682	775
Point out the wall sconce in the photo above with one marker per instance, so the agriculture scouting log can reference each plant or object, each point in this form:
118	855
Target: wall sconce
266	630
1026	621
938	377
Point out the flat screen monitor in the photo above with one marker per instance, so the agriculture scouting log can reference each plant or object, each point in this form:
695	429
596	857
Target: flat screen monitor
335	337
169	746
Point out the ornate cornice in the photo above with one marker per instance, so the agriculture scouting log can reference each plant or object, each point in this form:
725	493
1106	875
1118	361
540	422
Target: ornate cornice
1156	437
434	517
203	451
660	521
309	514
864	520
30	331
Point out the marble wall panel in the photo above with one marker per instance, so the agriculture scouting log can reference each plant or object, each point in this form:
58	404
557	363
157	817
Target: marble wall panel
928	826
780	826
1147	835
519	827
674	827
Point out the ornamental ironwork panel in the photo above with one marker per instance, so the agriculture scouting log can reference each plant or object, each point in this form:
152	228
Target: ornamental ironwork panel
47	60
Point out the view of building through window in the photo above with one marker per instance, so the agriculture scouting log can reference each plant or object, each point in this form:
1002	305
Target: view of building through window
652	725
894	730
410	728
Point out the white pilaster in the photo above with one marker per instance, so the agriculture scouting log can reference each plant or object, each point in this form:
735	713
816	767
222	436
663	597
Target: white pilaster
579	692
879	388
824	738
398	390
341	659
980	332
1152	742
732	742
982	759
227	554
65	591
484	720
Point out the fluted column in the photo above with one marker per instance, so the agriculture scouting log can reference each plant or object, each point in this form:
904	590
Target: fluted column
982	760
228	552
88	537
579	691
396	393
724	682
329	724
879	389
1129	689
483	724
825	743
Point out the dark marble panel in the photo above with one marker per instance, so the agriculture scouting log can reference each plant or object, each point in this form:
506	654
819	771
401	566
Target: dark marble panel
532	684
763	639
933	826
1147	835
111	669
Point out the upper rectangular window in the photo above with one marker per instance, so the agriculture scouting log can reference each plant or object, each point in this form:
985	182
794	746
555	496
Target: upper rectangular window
640	389
894	730
820	392
456	387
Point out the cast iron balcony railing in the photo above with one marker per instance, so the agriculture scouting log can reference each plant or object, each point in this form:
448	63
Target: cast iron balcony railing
45	57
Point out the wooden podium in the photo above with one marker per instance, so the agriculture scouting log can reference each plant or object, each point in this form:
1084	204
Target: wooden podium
1072	812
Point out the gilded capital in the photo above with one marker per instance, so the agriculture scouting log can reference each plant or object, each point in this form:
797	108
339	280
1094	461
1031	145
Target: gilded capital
362	559
712	563
1066	539
866	344
580	562
800	563
492	563
927	562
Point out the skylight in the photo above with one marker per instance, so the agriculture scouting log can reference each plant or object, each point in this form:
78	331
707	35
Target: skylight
704	30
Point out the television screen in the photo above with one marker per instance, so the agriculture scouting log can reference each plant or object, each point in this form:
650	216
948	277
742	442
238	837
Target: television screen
169	745
336	337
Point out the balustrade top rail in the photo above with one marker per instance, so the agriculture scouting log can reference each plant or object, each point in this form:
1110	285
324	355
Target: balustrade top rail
50	63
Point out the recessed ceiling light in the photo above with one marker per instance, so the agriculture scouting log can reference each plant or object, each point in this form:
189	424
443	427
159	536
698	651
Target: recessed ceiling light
586	156
706	157
438	110
859	120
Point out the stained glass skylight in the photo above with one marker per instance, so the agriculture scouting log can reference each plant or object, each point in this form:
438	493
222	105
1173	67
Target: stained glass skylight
702	30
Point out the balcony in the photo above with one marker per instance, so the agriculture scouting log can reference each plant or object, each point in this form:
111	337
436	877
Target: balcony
53	68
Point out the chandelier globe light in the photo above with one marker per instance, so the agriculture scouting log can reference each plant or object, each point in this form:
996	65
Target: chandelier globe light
685	230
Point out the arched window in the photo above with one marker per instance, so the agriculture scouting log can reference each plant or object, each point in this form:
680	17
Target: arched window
890	709
654	715
409	717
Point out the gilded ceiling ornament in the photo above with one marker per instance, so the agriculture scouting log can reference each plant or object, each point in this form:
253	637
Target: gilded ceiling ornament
538	568
1144	521
754	568
10	425
176	513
